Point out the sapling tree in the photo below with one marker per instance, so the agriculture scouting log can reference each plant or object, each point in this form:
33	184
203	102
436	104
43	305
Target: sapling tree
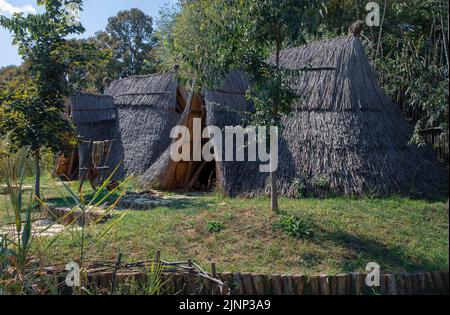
213	37
275	24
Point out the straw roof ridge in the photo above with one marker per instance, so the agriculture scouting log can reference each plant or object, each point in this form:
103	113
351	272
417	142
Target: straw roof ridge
143	76
156	90
90	108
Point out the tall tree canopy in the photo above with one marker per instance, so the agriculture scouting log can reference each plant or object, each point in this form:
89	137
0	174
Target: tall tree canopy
129	35
92	68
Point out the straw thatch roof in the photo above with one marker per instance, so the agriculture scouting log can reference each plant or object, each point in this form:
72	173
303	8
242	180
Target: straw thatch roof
344	136
147	111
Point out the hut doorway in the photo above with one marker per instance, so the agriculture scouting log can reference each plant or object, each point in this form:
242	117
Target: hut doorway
207	178
200	176
191	175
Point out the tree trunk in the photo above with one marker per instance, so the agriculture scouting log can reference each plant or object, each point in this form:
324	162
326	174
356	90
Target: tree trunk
273	174
37	172
274	192
444	35
379	46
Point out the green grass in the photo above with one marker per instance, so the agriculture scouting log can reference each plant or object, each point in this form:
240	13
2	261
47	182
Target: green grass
400	234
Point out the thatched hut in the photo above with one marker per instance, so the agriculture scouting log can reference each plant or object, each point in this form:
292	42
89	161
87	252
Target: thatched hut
344	137
97	126
148	108
133	119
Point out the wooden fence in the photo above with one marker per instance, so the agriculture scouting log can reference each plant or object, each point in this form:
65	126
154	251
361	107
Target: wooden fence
188	278
420	283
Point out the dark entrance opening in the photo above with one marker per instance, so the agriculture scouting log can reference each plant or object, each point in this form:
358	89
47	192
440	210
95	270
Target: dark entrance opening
207	177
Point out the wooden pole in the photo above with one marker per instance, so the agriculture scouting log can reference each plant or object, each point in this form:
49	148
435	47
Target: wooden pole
214	275
70	169
116	267
189	285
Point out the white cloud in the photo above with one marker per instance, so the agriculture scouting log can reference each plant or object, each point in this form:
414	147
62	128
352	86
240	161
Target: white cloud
8	8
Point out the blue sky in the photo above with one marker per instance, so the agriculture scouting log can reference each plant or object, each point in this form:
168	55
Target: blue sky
94	18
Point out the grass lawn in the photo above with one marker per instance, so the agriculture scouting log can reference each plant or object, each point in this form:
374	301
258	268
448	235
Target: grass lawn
399	234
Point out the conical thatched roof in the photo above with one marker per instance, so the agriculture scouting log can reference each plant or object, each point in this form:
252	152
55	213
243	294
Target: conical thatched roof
344	136
148	109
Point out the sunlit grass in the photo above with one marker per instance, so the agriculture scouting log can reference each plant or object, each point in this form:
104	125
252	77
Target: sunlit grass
398	233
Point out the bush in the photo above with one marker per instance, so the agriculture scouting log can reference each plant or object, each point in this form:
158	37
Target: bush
215	226
295	226
322	182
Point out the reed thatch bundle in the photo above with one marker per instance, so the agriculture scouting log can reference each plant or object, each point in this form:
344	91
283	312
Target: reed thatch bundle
228	106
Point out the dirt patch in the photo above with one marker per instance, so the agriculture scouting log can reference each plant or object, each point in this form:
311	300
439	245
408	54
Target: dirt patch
150	199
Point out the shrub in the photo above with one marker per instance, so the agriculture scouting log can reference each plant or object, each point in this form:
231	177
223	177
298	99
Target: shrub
215	226
322	182
295	226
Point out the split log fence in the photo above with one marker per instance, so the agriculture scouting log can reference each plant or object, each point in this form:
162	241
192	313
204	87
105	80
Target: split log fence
188	278
421	283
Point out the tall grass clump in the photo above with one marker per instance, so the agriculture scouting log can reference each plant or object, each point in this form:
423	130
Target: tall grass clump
23	250
151	283
15	243
82	206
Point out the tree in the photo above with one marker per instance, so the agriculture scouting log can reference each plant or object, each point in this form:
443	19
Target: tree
164	37
11	75
275	24
34	109
213	37
90	66
129	35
